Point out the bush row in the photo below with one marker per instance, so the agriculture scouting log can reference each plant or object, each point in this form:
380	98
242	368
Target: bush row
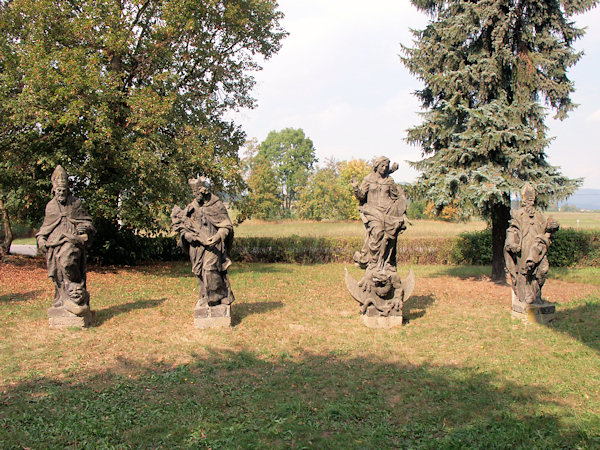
569	247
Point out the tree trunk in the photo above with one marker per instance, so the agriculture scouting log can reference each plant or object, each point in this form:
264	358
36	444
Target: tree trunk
8	236
500	218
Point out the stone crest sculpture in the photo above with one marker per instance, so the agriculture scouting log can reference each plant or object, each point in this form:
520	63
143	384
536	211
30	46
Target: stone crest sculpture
206	234
382	207
528	238
63	238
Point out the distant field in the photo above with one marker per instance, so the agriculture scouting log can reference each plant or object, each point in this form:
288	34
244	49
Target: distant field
578	220
419	229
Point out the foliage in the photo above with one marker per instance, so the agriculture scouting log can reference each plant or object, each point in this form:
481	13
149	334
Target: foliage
355	169
130	97
292	157
450	213
416	209
328	193
487	67
321	197
473	248
569	248
264	199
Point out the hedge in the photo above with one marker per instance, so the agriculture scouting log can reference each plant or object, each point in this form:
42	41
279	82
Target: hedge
569	247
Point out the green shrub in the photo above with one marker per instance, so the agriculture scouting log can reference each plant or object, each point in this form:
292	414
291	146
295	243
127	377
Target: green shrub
569	247
474	248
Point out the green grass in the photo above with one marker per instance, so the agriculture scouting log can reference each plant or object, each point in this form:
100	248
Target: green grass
420	228
25	241
577	220
297	369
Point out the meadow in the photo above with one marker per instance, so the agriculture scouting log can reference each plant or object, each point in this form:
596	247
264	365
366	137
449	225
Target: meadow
297	369
420	228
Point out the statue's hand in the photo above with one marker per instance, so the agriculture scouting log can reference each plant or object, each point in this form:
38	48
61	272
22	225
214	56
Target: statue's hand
190	237
81	228
42	248
214	239
513	248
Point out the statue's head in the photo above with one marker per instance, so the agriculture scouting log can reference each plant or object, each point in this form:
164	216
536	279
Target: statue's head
75	291
199	188
60	184
381	165
383	283
528	195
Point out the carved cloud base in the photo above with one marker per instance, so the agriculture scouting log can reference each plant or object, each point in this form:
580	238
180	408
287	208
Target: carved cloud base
212	316
61	318
533	313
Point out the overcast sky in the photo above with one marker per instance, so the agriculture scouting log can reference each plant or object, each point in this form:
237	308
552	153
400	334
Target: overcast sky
339	78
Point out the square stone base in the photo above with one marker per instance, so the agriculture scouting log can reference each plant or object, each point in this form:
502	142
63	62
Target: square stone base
212	316
61	318
382	322
534	312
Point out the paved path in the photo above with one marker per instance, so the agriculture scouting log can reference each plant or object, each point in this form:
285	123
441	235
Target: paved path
27	250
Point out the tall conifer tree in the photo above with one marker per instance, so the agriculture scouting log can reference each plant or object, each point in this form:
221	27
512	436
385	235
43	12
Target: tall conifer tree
490	68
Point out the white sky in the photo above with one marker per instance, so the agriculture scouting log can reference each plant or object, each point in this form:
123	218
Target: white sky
339	78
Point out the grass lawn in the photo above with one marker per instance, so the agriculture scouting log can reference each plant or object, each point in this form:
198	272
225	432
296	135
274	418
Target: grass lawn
281	228
577	220
297	369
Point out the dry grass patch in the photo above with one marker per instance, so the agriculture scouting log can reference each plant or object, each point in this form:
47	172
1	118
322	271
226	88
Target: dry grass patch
297	368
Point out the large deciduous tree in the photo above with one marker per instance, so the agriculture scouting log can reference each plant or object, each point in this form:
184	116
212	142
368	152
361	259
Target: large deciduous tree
130	96
488	68
292	156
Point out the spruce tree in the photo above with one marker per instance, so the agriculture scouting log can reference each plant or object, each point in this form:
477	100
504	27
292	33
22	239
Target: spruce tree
492	69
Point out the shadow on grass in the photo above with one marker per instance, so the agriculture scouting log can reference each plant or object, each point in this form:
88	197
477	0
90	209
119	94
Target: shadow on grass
580	323
241	310
464	272
21	296
416	307
105	314
182	269
241	268
242	400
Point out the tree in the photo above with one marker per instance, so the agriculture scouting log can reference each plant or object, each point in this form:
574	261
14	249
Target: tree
129	96
354	169
263	200
292	156
328	193
487	67
322	196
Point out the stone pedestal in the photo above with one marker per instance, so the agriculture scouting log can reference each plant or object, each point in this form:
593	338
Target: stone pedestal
61	318
382	322
532	312
212	316
373	319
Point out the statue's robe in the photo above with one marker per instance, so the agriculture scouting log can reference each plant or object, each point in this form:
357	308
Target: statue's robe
209	263
525	253
65	255
382	207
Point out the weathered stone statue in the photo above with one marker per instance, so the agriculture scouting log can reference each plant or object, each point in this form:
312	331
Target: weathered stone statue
63	237
382	206
206	235
525	251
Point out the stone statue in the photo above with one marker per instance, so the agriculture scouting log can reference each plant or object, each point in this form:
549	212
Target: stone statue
525	251
206	234
63	238
382	206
